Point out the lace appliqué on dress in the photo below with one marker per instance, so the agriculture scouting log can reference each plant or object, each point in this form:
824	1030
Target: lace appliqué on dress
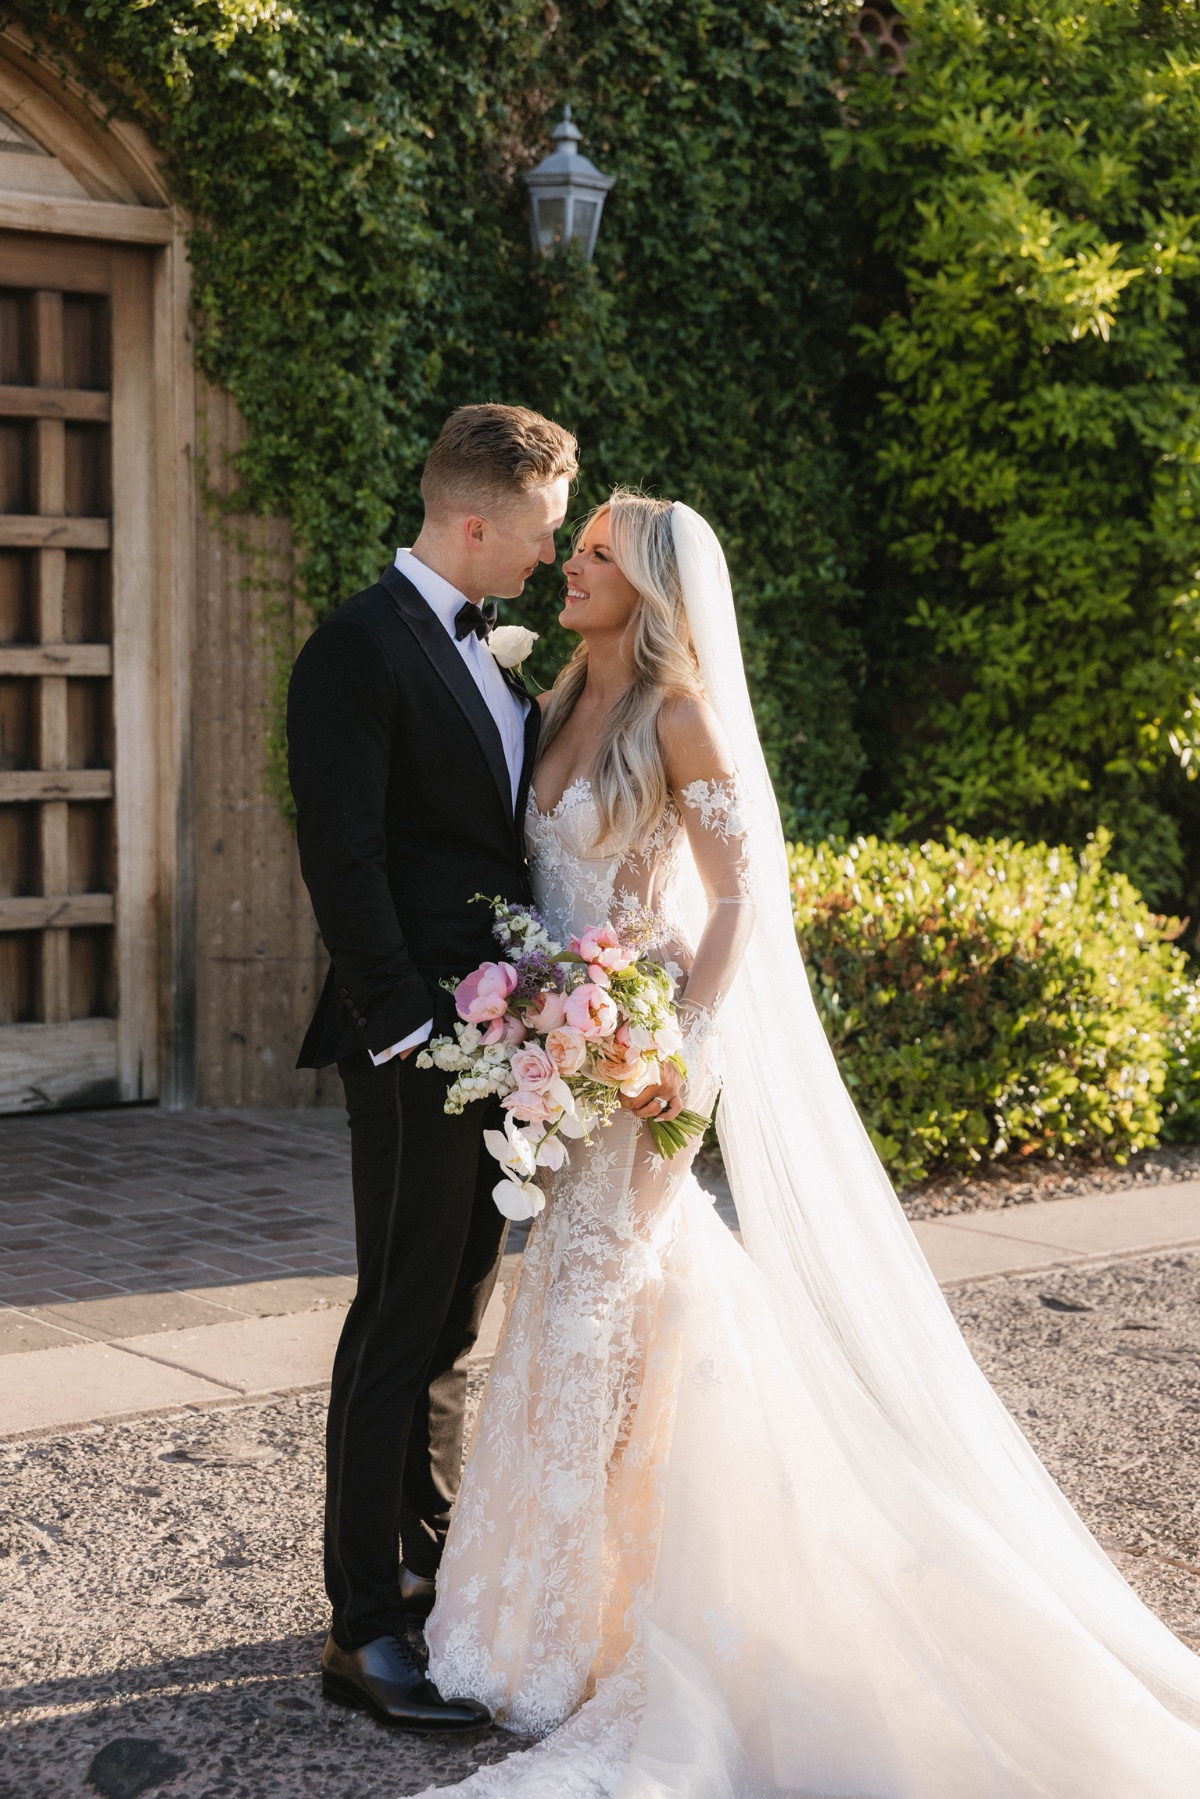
555	1537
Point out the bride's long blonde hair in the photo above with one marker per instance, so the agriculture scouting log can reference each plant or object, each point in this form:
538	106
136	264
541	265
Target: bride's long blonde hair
628	779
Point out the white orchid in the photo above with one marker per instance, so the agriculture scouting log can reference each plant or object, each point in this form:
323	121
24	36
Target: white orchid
576	1123
513	1149
510	644
518	1200
552	1153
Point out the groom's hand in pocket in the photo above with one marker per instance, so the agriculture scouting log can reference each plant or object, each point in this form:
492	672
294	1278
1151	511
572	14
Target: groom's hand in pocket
648	1104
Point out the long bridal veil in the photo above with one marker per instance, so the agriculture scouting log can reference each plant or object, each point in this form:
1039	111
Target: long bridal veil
1004	1590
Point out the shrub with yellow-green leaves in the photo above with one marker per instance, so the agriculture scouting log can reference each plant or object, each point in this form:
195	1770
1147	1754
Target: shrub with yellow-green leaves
990	997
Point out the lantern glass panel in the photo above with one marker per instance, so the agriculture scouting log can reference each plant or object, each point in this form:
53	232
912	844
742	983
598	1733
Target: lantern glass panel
585	217
552	220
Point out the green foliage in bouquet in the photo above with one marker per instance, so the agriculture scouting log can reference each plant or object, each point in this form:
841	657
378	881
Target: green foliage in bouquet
1029	418
986	998
362	265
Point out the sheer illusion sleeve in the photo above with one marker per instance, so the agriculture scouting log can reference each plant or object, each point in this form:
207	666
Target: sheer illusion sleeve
704	784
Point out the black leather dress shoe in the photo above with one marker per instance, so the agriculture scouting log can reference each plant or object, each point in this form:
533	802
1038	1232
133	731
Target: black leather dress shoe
386	1678
417	1594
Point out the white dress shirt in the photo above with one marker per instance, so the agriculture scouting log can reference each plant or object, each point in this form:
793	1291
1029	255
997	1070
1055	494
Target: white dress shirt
507	708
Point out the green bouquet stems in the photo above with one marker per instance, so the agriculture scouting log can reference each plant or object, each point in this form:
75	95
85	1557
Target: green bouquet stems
673	1134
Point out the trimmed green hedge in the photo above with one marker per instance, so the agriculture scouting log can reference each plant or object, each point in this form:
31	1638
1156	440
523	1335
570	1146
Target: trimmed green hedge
990	997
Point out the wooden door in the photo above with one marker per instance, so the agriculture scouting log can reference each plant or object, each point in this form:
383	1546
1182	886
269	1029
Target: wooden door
78	949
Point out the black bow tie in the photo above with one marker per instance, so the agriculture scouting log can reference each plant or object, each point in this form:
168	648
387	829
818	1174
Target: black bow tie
479	619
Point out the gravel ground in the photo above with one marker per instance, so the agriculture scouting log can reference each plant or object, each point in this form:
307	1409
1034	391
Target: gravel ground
162	1579
1018	1182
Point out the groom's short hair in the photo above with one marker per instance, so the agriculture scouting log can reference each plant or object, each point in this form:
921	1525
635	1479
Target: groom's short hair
487	456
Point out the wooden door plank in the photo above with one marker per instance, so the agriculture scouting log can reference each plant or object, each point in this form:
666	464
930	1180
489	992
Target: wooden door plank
51	595
19	531
56	912
18	785
82	660
42	262
46	317
43	1066
134	569
83	403
86	218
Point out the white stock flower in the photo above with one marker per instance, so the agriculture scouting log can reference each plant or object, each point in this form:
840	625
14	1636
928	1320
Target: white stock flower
510	644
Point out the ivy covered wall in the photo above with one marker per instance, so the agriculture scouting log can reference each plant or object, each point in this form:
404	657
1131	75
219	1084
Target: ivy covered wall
362	265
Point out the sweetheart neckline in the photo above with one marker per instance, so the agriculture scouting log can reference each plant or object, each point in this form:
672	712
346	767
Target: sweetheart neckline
564	796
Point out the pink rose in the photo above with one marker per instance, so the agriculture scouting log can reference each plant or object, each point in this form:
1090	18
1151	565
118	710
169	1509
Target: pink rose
533	1070
549	1014
591	1012
533	1108
567	1049
602	946
484	993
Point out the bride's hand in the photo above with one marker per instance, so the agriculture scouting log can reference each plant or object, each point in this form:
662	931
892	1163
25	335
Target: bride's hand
648	1104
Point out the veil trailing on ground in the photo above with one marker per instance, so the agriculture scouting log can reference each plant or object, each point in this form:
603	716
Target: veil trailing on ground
852	1296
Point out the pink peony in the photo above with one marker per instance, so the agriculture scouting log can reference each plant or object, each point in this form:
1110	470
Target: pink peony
514	1030
533	1070
591	1012
484	993
602	946
567	1049
549	1014
533	1108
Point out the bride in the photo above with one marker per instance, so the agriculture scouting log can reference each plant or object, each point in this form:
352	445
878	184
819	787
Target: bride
750	1523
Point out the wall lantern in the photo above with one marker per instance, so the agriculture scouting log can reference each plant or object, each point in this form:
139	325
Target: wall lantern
566	194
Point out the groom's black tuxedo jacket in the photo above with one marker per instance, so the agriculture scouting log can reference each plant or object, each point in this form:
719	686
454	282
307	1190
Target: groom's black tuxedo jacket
404	811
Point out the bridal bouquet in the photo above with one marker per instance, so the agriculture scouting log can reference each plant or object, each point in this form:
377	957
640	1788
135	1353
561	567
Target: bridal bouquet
560	1034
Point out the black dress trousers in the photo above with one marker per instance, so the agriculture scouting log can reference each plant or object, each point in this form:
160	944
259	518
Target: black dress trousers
429	1239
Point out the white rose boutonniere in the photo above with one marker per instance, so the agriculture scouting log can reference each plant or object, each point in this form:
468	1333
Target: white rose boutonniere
510	644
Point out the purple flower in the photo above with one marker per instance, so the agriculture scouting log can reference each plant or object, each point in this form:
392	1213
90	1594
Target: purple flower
535	973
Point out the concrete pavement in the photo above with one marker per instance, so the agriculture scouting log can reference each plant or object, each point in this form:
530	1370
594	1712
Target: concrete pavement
63	1366
77	1362
1057	1233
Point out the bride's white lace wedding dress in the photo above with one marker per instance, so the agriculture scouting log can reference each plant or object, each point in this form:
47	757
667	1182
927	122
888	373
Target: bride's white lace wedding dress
751	1525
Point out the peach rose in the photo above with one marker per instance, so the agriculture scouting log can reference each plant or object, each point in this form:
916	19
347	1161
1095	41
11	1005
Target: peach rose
591	1012
619	1065
533	1070
567	1049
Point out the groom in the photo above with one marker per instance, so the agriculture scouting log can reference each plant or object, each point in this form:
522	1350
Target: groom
410	753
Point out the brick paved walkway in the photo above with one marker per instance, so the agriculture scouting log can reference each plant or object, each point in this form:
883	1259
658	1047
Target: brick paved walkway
137	1200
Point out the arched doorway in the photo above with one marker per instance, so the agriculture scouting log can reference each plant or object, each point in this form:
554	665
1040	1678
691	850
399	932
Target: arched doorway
94	519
